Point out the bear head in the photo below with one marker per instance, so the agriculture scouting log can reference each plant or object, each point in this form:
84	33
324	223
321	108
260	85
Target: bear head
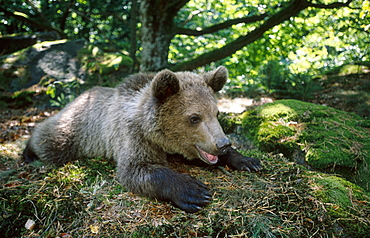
186	113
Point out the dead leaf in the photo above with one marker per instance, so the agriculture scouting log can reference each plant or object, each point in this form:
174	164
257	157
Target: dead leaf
65	235
94	229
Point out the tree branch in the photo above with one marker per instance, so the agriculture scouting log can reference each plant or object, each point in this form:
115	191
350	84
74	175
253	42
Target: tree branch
284	14
221	26
176	5
28	20
35	9
133	38
291	10
66	12
330	6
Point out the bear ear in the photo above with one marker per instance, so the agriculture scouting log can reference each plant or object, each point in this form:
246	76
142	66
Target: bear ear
217	78
165	84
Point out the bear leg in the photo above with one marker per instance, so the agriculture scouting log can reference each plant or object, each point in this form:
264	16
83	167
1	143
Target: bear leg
181	190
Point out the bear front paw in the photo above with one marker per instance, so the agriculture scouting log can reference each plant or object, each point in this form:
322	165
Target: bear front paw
182	190
191	196
240	162
248	164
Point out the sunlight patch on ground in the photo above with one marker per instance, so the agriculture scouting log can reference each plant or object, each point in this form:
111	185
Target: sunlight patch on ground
239	105
12	149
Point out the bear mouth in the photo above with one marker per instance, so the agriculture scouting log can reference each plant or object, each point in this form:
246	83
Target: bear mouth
207	157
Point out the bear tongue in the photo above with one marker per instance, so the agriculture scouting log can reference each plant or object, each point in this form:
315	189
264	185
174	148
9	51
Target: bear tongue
212	159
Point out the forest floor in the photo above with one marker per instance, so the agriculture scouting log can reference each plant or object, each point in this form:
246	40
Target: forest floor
83	199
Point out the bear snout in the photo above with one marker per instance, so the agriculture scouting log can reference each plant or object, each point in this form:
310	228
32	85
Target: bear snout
223	145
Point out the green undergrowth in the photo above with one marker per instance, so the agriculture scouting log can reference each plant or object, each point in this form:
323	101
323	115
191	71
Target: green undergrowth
96	60
324	138
230	122
83	199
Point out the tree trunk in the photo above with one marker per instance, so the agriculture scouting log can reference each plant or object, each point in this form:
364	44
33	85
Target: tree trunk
66	12
133	39
157	31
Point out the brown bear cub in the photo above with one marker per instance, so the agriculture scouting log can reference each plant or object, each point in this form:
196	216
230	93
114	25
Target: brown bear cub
138	124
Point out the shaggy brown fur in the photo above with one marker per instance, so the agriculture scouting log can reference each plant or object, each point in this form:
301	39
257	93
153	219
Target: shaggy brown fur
138	124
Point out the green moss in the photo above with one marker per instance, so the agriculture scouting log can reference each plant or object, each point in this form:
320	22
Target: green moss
335	190
278	111
341	199
68	174
279	135
331	139
282	200
229	122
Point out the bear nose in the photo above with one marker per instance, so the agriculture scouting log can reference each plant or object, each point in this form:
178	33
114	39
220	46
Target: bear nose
223	144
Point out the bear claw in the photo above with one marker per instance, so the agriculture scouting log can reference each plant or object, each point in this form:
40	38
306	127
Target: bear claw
240	162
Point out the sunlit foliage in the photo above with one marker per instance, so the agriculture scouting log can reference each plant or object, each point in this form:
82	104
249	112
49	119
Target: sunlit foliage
310	43
315	39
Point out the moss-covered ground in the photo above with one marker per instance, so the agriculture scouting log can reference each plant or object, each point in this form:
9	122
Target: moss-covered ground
326	138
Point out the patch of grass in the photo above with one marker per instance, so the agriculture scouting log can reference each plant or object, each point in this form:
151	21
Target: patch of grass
58	198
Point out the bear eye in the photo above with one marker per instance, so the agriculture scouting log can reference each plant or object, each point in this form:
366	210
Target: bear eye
194	119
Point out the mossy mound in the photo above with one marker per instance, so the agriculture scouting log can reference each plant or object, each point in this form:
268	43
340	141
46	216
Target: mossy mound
341	199
55	59
61	69
327	138
60	60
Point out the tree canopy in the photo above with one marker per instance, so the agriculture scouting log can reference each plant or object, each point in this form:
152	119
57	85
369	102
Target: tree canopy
187	34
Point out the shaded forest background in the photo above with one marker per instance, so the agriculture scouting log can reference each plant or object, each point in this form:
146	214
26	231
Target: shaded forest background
254	39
